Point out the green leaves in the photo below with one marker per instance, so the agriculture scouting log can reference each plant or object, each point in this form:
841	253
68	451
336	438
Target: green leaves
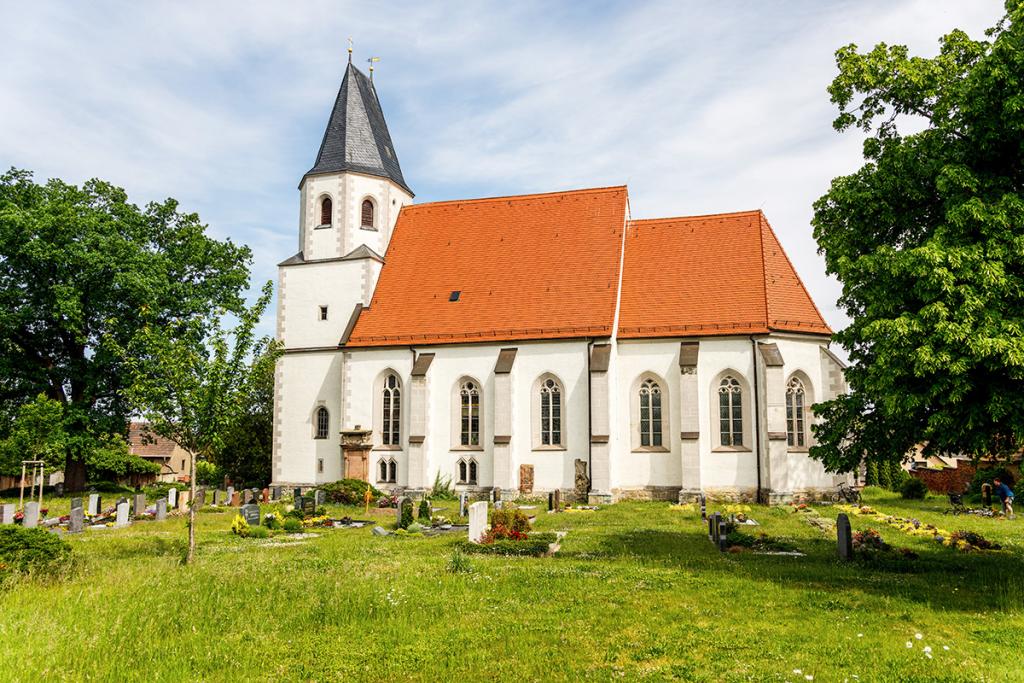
927	240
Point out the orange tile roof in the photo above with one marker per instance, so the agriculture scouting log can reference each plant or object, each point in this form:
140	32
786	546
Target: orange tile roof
711	275
541	266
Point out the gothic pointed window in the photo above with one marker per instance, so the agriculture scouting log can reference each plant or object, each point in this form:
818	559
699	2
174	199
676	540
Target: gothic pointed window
730	411
382	471
392	471
650	414
326	211
796	434
367	213
392	412
472	471
463	472
323	422
550	413
469	399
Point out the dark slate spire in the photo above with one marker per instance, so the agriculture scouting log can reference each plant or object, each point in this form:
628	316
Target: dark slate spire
357	137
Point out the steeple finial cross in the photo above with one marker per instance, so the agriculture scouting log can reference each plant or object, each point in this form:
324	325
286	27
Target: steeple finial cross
350	49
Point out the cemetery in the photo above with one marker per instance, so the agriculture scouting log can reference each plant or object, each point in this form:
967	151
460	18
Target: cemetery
654	586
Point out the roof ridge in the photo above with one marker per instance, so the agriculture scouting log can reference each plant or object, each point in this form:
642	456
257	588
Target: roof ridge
796	274
669	219
475	200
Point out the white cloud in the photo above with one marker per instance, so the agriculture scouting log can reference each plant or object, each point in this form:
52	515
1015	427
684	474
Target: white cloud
699	107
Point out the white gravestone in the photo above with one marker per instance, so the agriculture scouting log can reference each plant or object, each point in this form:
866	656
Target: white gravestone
7	513
161	510
122	514
94	504
172	498
31	515
477	521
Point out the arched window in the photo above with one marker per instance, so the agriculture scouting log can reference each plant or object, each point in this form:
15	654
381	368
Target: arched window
650	413
472	471
382	470
392	412
367	211
730	411
796	434
463	472
469	397
467	471
323	422
326	211
550	413
392	471
387	471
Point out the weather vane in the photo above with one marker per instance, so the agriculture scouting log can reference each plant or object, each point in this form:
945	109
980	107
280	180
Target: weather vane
371	60
350	49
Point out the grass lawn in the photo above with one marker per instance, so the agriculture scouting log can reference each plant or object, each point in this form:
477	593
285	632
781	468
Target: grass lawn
636	591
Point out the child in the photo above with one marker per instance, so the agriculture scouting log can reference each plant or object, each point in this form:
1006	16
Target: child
1005	494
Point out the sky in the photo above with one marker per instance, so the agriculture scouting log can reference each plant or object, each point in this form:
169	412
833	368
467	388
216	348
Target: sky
699	107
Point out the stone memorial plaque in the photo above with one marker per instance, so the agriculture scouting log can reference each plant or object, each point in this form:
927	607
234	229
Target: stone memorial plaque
582	480
477	521
95	503
76	521
31	518
265	495
138	504
526	479
172	497
250	513
161	510
844	537
122	514
7	513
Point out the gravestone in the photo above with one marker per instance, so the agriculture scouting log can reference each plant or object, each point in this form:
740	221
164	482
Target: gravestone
138	504
703	507
297	492
582	480
161	510
122	514
265	497
246	496
402	502
216	497
723	534
94	504
320	497
76	522
76	503
234	499
250	513
306	505
986	495
463	500
477	521
558	500
7	513
200	498
526	479
230	496
490	496
844	537
172	498
183	498
275	493
31	518
716	527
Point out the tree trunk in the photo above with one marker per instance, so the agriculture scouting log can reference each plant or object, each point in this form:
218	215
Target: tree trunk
74	474
192	510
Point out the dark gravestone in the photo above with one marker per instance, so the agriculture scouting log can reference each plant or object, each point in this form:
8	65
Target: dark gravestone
297	492
76	503
76	522
306	505
703	506
716	527
161	510
402	502
551	501
711	528
276	493
844	536
558	500
723	534
200	498
582	480
463	498
986	495
250	513
138	504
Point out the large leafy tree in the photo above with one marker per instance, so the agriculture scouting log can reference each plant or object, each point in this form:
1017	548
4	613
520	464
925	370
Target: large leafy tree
193	382
927	238
81	270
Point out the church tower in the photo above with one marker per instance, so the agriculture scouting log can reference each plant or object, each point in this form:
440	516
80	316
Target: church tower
349	201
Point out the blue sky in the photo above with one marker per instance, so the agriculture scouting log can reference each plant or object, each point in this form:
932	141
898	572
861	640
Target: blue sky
698	107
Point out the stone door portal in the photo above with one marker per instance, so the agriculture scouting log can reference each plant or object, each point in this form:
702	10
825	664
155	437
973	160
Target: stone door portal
356	465
355	447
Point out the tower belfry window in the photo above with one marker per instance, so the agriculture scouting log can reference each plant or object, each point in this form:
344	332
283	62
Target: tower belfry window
367	211
326	211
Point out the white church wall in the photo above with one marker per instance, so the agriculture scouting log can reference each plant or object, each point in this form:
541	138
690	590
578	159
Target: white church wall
305	382
303	289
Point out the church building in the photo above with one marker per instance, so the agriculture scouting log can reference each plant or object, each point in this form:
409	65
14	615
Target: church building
529	343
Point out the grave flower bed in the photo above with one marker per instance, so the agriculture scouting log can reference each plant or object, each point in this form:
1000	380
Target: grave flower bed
965	541
739	541
510	534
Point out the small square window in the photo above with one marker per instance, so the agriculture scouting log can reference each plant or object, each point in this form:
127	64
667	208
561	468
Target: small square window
454	296
323	313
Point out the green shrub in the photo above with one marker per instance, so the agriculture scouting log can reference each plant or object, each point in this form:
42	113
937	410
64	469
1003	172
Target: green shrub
259	532
536	545
406	515
272	520
159	489
415	528
511	519
208	474
424	512
442	489
914	489
985	476
104	486
292	525
33	551
349	492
